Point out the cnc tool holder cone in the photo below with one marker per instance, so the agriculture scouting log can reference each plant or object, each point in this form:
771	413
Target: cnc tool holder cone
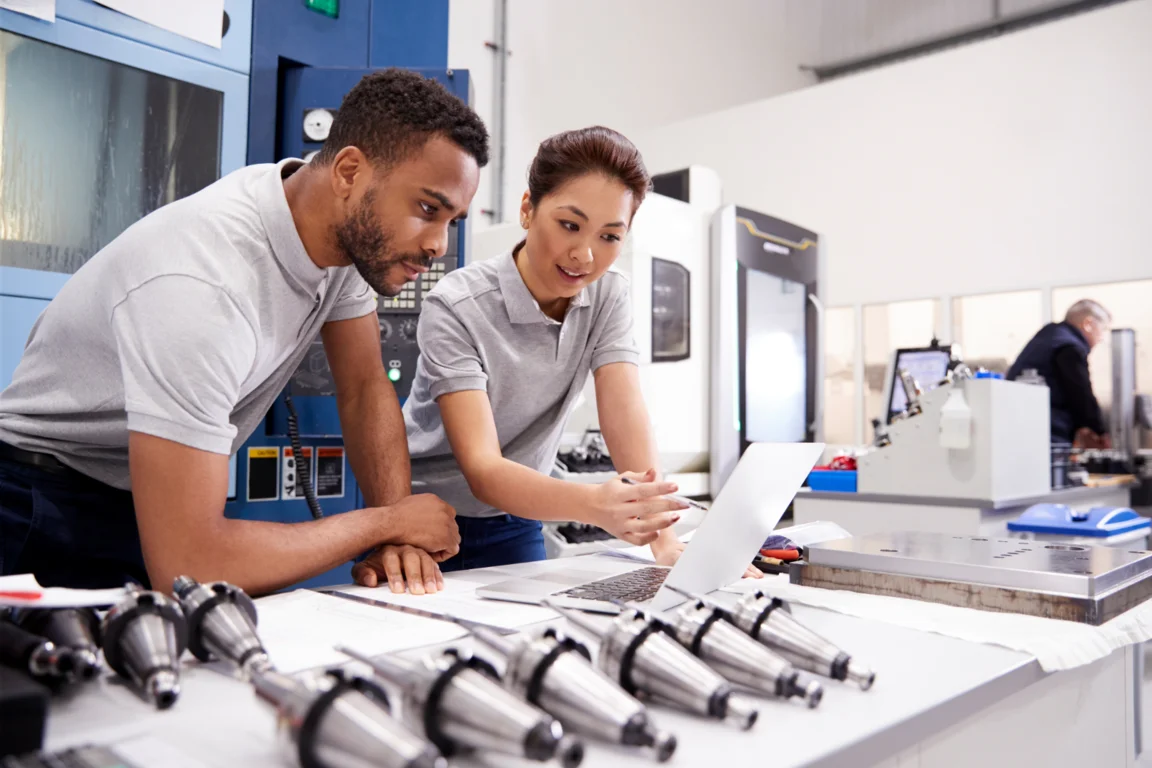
221	624
343	722
77	629
767	620
459	705
704	630
555	673
641	654
144	636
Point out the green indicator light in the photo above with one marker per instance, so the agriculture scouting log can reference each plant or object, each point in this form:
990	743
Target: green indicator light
394	374
330	8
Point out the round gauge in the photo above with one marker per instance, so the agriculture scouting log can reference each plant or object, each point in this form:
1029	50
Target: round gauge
408	329
317	123
385	330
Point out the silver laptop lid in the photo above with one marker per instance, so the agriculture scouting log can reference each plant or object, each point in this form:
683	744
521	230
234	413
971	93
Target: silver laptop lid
747	510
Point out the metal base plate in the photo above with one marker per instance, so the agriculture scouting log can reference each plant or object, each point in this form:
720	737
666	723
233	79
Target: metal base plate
1050	579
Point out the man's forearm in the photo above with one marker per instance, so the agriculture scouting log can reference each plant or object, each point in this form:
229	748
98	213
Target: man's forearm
377	444
263	557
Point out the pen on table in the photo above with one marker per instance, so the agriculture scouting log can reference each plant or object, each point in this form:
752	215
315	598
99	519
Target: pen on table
682	499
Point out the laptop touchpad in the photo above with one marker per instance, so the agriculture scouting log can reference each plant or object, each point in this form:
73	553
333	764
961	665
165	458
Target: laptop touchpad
569	577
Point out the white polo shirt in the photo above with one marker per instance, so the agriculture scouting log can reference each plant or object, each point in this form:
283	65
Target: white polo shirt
186	326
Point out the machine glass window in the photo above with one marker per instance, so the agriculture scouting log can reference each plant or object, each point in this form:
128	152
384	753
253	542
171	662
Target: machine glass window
89	146
992	329
888	327
671	311
840	415
1128	302
776	376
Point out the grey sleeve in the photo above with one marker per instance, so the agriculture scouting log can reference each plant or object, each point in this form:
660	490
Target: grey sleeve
448	353
185	350
614	343
356	298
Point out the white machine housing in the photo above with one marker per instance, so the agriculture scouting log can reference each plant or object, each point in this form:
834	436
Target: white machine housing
1008	454
676	393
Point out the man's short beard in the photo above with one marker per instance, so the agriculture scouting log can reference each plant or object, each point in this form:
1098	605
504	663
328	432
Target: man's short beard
368	246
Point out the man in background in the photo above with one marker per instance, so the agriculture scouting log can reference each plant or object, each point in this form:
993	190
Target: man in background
1059	353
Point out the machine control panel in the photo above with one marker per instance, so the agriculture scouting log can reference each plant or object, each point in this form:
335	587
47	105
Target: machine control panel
399	320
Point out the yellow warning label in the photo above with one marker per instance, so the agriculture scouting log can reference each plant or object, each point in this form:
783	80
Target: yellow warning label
263	453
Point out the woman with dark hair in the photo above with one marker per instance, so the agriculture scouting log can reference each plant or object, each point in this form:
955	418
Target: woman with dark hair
506	347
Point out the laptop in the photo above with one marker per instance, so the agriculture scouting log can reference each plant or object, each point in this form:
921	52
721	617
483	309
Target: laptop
745	513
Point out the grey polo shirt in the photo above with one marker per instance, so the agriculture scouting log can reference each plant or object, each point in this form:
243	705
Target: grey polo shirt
186	326
480	329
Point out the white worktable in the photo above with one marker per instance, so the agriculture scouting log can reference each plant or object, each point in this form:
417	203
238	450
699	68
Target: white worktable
863	513
938	701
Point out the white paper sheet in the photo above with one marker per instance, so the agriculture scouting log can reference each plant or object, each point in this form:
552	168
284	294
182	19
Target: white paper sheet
149	750
36	596
458	599
39	9
1056	644
199	20
300	629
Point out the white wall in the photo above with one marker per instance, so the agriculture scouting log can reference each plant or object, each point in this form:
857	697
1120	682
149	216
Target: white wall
1013	163
630	65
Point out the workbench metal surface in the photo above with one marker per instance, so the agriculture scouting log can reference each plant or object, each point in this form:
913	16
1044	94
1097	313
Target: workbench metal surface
925	684
1064	496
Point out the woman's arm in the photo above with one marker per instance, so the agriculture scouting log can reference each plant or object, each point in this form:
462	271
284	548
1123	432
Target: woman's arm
628	434
635	513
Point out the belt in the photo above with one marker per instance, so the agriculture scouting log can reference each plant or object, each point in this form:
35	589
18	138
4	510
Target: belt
43	461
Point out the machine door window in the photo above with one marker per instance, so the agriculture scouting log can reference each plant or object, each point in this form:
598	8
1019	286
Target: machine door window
89	146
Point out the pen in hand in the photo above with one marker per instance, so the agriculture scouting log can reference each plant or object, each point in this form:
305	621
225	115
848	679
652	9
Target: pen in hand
681	499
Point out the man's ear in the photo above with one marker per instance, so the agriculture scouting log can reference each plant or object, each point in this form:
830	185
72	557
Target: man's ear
349	166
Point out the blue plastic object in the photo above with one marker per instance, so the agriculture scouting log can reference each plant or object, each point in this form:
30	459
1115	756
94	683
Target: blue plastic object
1059	519
841	480
987	375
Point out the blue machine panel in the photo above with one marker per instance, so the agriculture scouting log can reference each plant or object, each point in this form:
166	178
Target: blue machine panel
235	46
285	36
409	33
304	60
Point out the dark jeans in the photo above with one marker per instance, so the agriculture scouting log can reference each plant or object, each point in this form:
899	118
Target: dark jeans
67	529
500	540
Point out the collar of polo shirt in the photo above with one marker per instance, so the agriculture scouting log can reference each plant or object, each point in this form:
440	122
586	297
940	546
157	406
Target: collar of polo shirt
522	305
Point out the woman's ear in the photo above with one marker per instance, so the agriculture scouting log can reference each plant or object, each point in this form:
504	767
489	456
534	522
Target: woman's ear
525	211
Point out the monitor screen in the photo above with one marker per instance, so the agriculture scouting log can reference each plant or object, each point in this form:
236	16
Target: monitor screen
927	366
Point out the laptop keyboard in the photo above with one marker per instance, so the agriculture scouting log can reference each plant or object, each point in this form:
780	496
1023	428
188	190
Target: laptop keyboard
635	586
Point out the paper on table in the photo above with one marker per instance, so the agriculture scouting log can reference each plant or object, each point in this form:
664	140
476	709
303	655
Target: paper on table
458	599
1056	644
300	629
40	9
639	554
22	590
149	750
199	20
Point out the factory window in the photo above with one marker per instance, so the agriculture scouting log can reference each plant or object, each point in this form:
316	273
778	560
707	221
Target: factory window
89	146
888	327
1130	307
839	376
992	329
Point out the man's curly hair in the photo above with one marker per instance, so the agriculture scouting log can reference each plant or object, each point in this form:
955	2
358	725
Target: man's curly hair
391	114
